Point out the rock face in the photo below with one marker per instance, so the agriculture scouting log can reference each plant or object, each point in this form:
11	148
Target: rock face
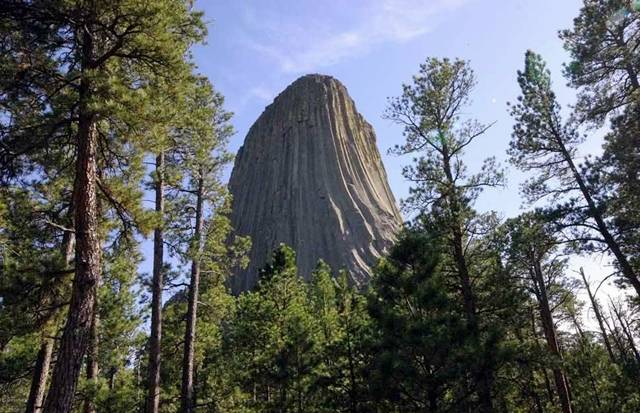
309	175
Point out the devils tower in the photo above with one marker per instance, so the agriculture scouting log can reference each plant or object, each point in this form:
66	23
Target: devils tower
310	175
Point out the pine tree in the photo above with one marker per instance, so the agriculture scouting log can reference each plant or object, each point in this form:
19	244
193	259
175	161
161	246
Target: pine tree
215	374
275	338
595	306
98	91
532	256
162	143
34	273
110	383
605	70
541	142
198	196
344	328
605	64
430	111
420	340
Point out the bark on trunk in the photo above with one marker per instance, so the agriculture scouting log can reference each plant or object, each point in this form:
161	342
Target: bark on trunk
629	54
627	270
92	361
562	384
39	381
187	399
75	336
613	334
43	362
484	375
74	340
153	396
627	332
458	246
547	382
596	311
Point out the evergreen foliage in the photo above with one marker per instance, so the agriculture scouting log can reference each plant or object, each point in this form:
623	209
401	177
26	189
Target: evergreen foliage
100	105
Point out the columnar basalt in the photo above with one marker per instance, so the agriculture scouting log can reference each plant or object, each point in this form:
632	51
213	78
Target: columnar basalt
309	175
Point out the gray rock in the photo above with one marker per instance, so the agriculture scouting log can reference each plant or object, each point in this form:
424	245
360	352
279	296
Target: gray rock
310	175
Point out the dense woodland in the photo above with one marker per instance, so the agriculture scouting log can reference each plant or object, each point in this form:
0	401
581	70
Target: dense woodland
101	106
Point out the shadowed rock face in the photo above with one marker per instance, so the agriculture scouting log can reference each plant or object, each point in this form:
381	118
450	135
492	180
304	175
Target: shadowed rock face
309	175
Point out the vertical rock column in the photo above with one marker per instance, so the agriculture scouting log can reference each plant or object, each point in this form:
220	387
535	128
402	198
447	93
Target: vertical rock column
310	175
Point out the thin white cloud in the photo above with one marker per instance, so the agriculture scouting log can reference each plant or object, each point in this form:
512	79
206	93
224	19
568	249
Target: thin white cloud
257	94
306	46
261	93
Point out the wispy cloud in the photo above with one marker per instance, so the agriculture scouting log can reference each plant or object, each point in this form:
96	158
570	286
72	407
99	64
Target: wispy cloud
261	93
308	45
252	95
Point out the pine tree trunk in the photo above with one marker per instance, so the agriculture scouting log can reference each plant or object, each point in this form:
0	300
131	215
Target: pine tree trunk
187	395
629	58
626	331
458	247
626	268
614	336
43	362
547	382
153	397
562	384
586	366
596	311
353	391
483	375
92	360
74	340
40	373
112	377
75	336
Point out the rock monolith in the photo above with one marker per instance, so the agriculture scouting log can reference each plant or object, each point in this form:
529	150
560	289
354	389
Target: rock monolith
309	175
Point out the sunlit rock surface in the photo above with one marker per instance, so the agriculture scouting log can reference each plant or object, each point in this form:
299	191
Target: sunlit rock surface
310	175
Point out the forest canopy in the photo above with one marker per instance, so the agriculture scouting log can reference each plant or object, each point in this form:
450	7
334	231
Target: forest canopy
113	152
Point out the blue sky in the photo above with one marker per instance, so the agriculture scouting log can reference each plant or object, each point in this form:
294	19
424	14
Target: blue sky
256	48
